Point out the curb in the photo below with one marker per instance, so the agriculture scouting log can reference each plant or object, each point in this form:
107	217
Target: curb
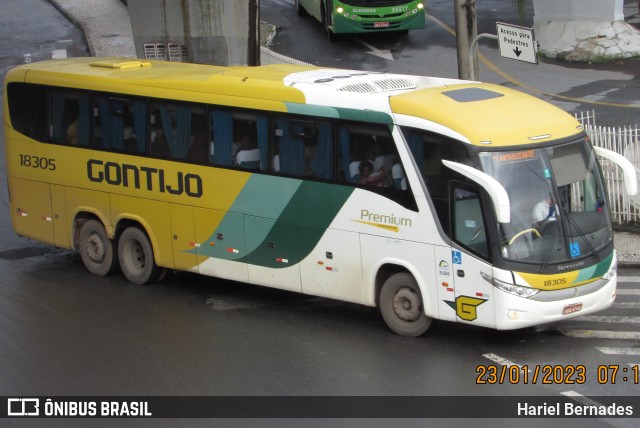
77	23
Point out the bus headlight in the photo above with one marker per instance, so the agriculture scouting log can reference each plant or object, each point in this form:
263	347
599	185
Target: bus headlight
420	6
516	290
340	10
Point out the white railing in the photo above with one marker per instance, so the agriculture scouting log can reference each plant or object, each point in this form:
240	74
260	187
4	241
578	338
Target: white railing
625	141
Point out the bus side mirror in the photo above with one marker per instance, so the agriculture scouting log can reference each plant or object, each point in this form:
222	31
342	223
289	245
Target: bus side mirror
630	176
498	194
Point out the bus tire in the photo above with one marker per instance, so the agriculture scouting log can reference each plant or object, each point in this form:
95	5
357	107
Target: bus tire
401	305
96	249
136	257
326	26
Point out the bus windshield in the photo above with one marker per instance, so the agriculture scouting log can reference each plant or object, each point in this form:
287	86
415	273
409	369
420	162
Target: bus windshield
557	201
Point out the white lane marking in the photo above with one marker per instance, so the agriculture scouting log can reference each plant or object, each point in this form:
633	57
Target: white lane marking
627	292
626	305
500	360
614	319
601	334
580	398
619	351
628	278
59	54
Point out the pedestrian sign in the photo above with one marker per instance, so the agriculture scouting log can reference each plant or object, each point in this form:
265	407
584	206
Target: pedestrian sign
517	43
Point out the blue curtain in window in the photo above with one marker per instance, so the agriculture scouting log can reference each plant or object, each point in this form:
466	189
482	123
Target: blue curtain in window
292	150
104	112
84	120
180	146
416	145
57	115
322	162
139	111
262	125
111	123
344	148
167	129
222	122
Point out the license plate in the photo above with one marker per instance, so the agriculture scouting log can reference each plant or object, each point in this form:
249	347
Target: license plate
380	24
570	309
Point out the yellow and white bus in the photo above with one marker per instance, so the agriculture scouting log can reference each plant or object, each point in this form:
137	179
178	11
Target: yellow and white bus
417	195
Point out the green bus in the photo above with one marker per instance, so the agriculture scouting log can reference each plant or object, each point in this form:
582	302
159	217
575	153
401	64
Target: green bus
364	16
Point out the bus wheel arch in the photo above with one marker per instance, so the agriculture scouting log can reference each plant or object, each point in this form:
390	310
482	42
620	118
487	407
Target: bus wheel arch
136	254
97	250
401	303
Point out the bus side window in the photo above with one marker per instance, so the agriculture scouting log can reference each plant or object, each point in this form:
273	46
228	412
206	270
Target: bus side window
468	221
302	147
368	156
69	119
177	131
28	109
120	123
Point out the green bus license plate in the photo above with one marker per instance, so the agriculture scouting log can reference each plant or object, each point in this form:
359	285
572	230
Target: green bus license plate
380	24
569	309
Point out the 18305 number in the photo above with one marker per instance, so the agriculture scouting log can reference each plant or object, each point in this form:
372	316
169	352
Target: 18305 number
31	161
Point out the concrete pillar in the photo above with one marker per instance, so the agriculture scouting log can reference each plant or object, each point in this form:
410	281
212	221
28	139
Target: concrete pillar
578	10
219	32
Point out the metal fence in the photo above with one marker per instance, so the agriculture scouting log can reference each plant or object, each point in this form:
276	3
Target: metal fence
625	141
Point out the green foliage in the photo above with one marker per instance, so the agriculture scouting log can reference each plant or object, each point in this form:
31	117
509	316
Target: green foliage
520	6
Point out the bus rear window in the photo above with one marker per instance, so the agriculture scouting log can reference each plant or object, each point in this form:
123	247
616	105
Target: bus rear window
28	109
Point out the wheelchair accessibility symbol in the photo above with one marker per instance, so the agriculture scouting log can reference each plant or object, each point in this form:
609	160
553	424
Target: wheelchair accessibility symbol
574	248
457	257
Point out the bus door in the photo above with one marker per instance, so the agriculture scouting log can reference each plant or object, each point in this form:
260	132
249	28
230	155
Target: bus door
471	274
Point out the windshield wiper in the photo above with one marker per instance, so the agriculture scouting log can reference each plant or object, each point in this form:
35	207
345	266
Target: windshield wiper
584	237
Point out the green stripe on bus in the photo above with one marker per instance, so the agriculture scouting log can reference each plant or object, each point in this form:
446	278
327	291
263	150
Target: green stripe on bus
340	113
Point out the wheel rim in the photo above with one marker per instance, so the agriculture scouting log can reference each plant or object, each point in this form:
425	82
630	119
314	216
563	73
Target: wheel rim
406	305
94	248
135	257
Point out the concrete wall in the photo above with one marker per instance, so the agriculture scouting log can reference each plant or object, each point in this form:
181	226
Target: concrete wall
219	32
577	10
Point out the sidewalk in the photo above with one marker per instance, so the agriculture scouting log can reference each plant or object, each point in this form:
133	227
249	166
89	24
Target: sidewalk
107	29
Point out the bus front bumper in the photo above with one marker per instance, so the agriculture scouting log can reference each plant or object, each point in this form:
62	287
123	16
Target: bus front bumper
513	312
342	25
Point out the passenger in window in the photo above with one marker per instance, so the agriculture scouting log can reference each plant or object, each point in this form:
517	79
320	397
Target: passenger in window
72	133
309	155
369	178
248	155
544	210
159	145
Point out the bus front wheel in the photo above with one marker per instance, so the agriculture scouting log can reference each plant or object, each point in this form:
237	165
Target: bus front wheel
96	249
401	306
136	257
326	25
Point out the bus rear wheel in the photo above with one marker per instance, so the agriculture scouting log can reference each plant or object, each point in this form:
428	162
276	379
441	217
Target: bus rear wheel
136	257
96	249
401	306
